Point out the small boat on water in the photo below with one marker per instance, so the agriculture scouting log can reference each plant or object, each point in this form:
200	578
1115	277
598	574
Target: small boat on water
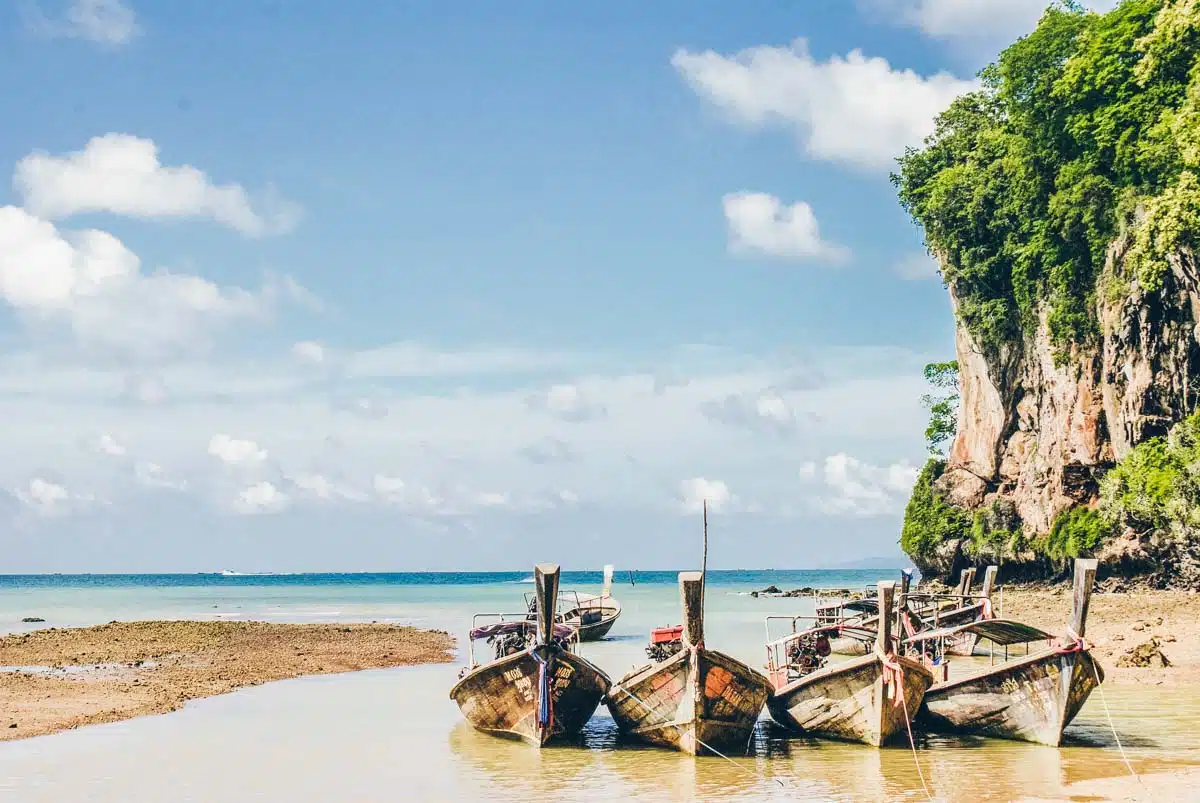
536	688
694	699
1030	698
864	699
592	615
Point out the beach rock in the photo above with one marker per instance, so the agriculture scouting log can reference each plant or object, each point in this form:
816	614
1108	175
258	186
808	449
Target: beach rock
32	620
1146	654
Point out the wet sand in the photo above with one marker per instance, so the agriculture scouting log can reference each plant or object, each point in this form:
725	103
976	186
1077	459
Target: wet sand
1119	623
59	679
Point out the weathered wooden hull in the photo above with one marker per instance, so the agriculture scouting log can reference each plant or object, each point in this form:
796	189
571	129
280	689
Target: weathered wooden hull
1032	699
849	700
502	697
598	630
690	704
848	645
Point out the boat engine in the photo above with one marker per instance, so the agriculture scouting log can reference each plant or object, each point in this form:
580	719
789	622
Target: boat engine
510	643
664	642
808	653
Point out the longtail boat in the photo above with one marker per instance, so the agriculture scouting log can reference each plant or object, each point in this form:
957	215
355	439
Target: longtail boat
536	688
858	619
865	699
592	615
695	700
1032	697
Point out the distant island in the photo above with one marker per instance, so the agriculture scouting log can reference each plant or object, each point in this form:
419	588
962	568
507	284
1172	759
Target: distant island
1062	202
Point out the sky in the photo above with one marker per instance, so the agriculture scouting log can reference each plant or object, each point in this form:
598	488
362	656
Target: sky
398	287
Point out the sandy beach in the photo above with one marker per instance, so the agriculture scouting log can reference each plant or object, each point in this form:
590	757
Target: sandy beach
1123	629
83	676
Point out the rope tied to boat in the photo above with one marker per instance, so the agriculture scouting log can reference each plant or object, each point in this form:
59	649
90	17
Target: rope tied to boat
1078	644
985	609
893	675
545	706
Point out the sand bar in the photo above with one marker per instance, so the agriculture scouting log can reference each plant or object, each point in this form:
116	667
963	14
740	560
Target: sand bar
58	679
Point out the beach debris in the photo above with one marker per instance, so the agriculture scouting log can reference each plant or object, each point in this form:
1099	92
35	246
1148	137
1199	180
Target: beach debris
1147	654
32	619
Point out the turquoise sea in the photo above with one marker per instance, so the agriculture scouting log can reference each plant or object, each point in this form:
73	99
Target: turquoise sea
394	735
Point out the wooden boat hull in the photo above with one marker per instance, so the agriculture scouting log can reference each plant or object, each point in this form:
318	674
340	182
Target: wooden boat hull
849	700
502	698
848	645
598	630
1032	699
691	704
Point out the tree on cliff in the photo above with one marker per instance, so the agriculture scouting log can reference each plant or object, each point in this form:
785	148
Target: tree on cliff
943	407
1062	200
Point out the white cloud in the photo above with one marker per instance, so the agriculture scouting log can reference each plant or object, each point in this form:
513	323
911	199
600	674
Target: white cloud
853	110
309	351
760	223
854	487
549	450
235	451
917	267
568	402
695	492
51	499
121	174
152	475
320	487
998	21
107	444
765	411
91	283
108	22
261	497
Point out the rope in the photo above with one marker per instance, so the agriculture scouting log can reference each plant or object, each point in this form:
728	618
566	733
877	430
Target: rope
1111	724
893	673
701	742
545	709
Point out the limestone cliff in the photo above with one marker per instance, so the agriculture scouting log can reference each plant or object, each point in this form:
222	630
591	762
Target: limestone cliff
1037	434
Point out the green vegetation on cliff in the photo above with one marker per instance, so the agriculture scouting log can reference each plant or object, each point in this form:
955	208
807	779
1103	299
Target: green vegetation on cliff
1157	486
1027	181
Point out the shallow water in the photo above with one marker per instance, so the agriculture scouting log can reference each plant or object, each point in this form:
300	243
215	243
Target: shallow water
394	735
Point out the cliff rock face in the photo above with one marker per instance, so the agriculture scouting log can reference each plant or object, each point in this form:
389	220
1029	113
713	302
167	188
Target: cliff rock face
1039	433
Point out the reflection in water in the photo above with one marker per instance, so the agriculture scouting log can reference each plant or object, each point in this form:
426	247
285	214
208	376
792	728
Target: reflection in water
395	735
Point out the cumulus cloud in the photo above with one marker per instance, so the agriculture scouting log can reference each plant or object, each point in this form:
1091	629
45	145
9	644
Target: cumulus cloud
121	174
766	411
694	492
107	444
566	402
854	487
761	224
151	475
319	487
49	499
236	451
259	498
977	21
854	110
90	282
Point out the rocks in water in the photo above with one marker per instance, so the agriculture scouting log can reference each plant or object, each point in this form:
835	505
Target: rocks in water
31	620
1147	654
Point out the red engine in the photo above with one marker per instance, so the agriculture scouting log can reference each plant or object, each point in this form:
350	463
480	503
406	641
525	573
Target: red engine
665	642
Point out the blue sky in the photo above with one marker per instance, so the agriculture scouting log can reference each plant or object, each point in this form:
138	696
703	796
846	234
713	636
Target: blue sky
406	286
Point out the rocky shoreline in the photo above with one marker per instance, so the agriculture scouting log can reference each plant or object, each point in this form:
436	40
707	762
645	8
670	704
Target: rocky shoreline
59	679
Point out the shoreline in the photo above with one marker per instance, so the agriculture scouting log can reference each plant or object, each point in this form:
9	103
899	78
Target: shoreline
60	679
